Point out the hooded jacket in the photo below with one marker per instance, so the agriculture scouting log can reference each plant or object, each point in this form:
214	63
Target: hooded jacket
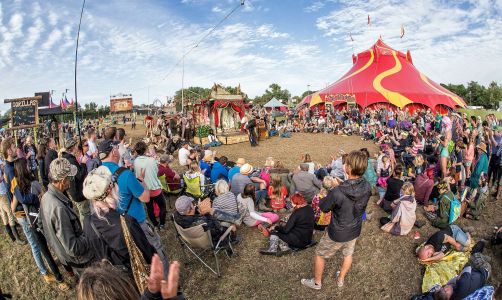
347	202
77	184
61	227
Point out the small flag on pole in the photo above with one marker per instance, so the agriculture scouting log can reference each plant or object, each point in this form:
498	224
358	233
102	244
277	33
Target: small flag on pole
369	20
351	38
402	31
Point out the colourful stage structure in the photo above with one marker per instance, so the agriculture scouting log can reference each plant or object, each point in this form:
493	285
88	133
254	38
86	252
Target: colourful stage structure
384	77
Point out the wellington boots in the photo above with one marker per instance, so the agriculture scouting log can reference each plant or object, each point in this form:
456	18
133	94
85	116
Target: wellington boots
272	248
283	248
16	235
9	232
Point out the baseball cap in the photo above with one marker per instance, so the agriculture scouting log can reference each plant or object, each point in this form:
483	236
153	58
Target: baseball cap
105	147
60	168
183	204
96	183
70	143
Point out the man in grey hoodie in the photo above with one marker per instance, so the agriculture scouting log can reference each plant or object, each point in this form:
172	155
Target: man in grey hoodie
60	223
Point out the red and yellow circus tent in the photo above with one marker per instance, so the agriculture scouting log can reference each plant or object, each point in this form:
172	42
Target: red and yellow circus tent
382	76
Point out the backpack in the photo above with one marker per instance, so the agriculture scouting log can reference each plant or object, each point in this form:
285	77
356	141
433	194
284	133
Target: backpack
455	207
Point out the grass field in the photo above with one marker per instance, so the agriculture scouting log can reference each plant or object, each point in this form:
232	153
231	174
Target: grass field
481	112
385	266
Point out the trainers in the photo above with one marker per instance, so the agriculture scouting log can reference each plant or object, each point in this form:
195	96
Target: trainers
311	284
49	278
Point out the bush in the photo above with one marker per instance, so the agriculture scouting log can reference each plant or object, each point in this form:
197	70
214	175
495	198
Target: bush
203	131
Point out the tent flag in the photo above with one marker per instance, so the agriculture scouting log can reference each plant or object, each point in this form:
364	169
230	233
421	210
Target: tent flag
351	38
402	30
369	20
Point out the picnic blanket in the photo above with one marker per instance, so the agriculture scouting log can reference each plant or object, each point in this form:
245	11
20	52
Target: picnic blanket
442	271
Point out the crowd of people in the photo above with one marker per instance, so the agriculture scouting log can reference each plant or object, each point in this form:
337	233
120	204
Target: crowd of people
102	198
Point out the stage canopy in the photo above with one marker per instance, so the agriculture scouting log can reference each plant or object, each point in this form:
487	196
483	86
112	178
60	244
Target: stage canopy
274	103
384	76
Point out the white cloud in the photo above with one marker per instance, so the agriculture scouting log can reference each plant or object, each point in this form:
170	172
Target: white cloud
16	24
317	5
53	18
53	38
34	33
36	9
216	9
267	31
445	38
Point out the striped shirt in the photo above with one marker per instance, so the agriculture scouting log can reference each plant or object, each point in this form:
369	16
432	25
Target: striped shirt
226	202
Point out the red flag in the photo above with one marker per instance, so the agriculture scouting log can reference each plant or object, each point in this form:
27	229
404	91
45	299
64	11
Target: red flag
402	31
369	20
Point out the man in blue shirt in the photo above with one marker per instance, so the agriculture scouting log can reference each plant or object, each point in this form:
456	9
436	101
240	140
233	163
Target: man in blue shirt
236	169
133	193
219	170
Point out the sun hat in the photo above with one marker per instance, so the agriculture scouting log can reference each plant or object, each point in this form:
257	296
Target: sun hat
482	147
96	183
183	204
60	168
207	158
246	169
240	161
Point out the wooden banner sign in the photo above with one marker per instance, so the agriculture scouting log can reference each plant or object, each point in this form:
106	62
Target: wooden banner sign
24	112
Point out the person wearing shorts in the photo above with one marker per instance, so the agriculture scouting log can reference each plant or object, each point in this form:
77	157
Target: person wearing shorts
347	203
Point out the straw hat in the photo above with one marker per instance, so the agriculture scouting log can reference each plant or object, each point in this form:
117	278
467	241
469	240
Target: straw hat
482	147
240	161
207	158
246	169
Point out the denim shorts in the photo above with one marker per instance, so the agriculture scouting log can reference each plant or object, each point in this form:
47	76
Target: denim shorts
459	236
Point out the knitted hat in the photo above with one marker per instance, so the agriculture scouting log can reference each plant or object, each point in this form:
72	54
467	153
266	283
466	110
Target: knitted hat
96	183
183	204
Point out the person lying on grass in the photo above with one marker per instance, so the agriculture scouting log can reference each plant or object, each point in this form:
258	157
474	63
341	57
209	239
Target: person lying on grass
440	242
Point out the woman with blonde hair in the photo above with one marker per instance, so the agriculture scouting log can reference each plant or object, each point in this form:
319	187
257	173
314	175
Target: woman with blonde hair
403	212
265	172
307	160
103	227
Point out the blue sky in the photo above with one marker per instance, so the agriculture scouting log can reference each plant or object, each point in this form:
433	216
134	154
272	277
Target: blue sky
132	46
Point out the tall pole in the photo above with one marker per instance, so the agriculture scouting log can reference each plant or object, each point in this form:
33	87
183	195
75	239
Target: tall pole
76	59
182	86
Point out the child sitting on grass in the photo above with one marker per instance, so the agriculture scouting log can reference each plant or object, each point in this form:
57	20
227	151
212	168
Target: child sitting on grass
277	193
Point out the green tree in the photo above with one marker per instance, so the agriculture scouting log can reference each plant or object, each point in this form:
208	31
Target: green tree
191	94
274	90
494	94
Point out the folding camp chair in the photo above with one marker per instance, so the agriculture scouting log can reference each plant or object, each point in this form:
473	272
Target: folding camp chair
168	192
192	186
196	238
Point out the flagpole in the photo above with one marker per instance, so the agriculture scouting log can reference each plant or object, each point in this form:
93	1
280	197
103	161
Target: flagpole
76	59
